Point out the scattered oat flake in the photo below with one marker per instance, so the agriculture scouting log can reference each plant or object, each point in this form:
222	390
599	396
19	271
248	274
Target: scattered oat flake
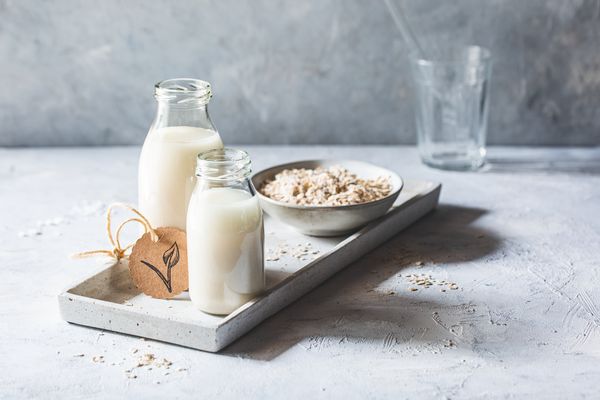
98	359
426	281
146	359
413	289
299	251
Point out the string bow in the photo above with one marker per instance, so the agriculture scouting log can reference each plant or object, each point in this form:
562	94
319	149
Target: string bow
118	252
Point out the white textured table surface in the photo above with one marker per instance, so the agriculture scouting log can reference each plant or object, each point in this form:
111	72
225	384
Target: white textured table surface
521	240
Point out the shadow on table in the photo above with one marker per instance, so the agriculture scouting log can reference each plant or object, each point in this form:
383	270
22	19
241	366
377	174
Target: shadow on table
355	306
551	163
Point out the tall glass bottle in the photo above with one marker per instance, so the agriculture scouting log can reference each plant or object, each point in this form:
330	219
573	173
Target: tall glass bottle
181	130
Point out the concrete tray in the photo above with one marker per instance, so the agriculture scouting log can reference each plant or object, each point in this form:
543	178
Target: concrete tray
109	300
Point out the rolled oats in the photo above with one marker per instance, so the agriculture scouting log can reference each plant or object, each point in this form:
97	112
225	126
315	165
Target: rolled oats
333	186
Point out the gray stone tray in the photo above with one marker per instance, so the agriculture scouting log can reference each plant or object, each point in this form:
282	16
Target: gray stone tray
109	300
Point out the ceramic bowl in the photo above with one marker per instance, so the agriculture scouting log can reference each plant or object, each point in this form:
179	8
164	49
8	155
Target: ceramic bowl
328	220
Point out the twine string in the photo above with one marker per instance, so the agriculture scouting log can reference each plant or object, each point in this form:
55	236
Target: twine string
118	252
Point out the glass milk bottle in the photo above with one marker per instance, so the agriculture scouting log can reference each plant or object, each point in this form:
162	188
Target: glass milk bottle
225	234
181	130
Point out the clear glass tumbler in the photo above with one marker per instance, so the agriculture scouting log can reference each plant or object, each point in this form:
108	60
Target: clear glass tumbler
451	108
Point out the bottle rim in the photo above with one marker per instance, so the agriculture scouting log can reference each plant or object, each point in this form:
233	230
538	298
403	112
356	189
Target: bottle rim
223	164
183	90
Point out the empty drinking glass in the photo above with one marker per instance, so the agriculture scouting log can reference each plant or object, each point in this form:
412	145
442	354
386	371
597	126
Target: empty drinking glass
451	109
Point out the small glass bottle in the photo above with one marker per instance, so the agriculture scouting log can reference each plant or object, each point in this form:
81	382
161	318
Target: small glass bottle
181	130
225	233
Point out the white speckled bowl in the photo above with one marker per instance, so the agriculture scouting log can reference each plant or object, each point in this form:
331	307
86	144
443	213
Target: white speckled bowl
328	220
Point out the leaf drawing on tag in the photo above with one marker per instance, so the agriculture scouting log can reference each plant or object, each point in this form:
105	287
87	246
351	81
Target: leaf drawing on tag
170	258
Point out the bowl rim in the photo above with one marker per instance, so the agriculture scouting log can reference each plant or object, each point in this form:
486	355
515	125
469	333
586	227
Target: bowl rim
394	193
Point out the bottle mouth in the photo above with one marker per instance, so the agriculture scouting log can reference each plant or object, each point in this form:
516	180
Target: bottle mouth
183	90
224	164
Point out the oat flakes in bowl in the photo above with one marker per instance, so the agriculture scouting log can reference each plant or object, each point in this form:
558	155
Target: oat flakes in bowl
324	186
327	197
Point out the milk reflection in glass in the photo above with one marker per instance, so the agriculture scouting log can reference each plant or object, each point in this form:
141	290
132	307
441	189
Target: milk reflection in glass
225	237
181	130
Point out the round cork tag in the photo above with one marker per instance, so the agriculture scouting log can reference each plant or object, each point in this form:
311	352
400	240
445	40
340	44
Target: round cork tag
159	269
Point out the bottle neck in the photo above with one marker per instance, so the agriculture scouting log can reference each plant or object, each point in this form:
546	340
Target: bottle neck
183	102
195	115
224	165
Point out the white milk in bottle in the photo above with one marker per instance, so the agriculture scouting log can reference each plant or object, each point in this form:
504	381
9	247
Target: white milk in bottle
182	129
225	234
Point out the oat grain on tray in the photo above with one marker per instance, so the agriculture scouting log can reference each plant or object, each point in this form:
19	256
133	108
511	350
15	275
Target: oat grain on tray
333	186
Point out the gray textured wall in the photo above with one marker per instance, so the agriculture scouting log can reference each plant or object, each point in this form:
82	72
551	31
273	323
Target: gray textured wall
314	71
